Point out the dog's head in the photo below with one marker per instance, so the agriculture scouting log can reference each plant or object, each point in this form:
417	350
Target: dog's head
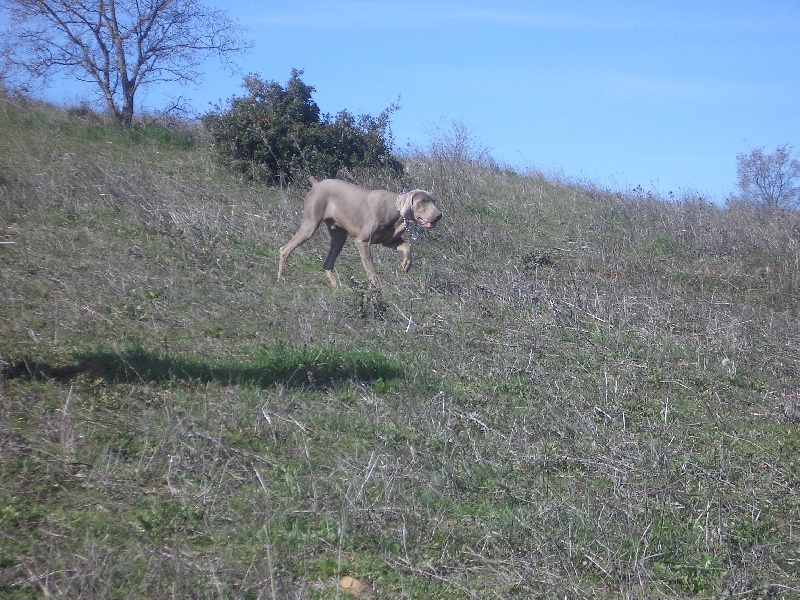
421	206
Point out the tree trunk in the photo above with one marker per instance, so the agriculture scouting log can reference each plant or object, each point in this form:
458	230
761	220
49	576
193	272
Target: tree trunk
126	116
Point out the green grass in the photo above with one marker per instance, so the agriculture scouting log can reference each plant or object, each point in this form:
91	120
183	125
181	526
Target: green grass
571	394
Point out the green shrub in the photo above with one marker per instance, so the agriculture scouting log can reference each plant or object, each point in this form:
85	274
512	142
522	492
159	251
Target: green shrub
276	134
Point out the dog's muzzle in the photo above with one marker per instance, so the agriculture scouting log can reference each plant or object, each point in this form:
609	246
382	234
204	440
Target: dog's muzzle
427	224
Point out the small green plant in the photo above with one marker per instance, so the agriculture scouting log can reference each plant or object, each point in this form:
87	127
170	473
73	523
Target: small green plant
367	300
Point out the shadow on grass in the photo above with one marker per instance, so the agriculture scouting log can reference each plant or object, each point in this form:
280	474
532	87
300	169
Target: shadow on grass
280	365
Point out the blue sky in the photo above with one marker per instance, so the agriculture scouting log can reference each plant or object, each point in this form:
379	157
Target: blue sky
658	94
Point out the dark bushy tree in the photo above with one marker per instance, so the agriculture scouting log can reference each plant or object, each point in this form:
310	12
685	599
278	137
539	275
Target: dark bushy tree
276	133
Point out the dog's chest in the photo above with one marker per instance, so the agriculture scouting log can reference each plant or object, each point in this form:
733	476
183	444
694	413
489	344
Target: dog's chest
388	232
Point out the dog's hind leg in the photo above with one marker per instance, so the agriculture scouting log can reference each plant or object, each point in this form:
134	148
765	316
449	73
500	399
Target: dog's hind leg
338	238
304	233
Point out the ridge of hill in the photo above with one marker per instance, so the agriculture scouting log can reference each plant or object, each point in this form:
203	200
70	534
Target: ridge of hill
573	393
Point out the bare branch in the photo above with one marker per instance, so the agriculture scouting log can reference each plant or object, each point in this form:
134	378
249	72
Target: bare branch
119	45
771	180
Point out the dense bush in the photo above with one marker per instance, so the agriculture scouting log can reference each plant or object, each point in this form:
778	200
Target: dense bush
277	133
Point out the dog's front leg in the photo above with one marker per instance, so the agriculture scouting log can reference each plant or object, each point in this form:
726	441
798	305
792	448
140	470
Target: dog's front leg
366	260
404	248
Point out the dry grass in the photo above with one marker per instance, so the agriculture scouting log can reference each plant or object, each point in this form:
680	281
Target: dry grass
572	394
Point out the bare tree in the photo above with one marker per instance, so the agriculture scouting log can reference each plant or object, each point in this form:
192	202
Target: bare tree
772	180
119	45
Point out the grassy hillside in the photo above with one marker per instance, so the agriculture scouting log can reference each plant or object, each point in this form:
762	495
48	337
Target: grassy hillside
572	394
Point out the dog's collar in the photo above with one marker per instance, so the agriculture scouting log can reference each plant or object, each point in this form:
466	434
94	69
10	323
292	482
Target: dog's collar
404	203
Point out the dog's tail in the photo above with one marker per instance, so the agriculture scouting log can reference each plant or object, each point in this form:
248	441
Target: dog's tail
313	181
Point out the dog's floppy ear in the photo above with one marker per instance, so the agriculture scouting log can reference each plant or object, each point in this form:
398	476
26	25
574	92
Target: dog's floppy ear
420	196
405	203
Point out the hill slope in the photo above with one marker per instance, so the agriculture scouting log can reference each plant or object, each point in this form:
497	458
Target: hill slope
571	394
